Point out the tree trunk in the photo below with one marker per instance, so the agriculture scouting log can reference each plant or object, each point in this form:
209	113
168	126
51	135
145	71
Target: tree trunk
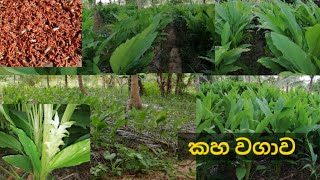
169	81
141	86
189	80
111	81
139	4
135	99
197	82
179	84
161	84
103	81
311	83
97	21
129	84
48	81
66	81
81	86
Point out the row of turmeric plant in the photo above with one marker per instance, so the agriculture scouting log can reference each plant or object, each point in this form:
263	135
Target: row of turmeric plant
249	108
130	39
266	37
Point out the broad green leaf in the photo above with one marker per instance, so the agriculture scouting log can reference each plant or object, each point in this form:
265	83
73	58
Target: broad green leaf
8	141
109	156
68	71
132	50
72	155
291	22
226	33
313	40
217	122
204	125
29	148
5	112
20	120
264	107
260	167
18	71
241	172
293	53
19	161
270	64
161	117
306	129
264	123
232	55
227	69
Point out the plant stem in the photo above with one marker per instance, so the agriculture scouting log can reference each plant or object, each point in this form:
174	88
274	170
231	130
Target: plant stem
48	114
8	172
248	167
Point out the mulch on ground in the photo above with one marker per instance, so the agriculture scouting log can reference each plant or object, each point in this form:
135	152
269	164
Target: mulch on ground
40	33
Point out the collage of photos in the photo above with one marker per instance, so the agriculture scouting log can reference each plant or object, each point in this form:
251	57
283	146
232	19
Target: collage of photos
159	89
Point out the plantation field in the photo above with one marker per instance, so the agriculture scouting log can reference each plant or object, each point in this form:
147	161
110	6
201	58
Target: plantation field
157	38
125	143
262	105
267	37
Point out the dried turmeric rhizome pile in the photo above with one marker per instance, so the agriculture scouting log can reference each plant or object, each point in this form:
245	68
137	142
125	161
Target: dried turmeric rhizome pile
40	33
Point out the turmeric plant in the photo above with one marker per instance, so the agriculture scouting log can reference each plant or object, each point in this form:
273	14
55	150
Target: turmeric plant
36	135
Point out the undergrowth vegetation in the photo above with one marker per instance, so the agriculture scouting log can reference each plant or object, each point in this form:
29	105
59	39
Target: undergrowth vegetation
123	141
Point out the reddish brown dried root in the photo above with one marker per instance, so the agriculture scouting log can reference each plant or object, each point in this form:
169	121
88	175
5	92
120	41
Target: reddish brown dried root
40	33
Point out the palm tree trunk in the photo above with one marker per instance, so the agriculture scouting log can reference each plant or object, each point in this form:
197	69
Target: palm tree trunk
135	99
81	86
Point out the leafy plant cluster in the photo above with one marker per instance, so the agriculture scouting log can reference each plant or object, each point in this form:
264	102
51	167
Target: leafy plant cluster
111	156
44	137
128	36
232	107
291	33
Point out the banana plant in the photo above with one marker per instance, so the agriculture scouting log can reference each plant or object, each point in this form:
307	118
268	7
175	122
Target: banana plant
36	136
